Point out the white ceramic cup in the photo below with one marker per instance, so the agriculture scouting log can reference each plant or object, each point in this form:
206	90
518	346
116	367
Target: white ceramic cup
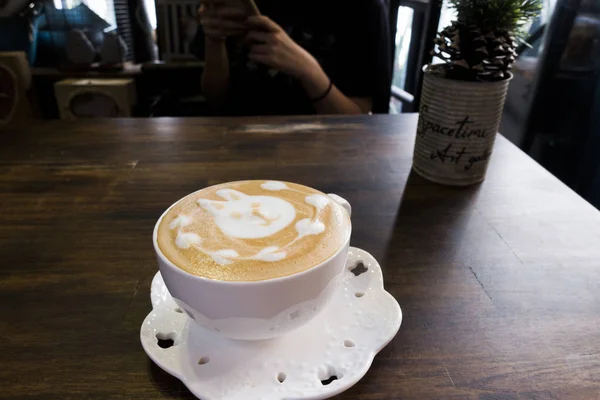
259	309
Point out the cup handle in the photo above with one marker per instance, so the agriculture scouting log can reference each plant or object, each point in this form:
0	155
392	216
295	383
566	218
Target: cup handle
342	202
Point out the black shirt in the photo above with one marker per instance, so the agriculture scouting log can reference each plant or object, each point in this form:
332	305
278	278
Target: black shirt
349	39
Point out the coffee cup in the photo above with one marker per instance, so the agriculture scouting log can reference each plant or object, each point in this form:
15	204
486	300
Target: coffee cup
251	292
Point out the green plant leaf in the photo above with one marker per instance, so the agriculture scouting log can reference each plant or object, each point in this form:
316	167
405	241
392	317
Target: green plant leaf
496	14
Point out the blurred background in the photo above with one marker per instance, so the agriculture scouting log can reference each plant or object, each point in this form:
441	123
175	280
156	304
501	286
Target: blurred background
133	58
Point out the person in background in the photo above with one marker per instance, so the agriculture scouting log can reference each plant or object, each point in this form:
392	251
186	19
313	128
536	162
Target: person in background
297	57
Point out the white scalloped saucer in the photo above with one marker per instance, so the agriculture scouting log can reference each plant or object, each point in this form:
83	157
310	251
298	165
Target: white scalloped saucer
341	342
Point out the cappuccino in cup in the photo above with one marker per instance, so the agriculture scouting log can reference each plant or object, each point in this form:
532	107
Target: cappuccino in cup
252	231
253	260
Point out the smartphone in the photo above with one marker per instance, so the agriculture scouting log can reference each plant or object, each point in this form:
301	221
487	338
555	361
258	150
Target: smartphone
249	6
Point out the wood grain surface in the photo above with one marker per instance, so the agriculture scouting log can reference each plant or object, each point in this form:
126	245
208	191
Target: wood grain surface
499	283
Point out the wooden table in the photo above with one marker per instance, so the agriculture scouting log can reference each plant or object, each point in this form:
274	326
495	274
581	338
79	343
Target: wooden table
499	283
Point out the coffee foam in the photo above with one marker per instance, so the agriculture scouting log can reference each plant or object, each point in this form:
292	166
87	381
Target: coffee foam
252	230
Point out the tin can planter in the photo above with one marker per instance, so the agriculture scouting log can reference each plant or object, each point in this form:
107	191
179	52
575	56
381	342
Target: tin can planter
458	123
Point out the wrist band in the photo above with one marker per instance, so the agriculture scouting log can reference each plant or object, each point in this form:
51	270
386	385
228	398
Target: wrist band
321	97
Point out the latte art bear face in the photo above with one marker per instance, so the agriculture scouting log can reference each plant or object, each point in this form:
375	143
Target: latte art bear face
252	230
249	217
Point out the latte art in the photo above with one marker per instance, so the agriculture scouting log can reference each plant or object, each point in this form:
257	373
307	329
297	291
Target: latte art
252	230
249	217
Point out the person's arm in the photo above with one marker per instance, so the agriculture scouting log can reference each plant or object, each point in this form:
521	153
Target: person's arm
218	22
316	83
274	48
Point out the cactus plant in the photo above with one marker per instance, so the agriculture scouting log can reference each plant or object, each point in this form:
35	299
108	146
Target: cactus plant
480	45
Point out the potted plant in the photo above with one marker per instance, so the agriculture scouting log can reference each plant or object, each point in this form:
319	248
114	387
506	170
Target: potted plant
463	97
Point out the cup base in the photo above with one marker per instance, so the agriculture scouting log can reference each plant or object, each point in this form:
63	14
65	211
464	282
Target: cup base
321	359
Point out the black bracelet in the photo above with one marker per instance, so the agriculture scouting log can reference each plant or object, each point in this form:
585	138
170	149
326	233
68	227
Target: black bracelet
321	97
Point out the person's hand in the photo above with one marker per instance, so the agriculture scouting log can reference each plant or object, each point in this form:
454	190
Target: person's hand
220	20
272	46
